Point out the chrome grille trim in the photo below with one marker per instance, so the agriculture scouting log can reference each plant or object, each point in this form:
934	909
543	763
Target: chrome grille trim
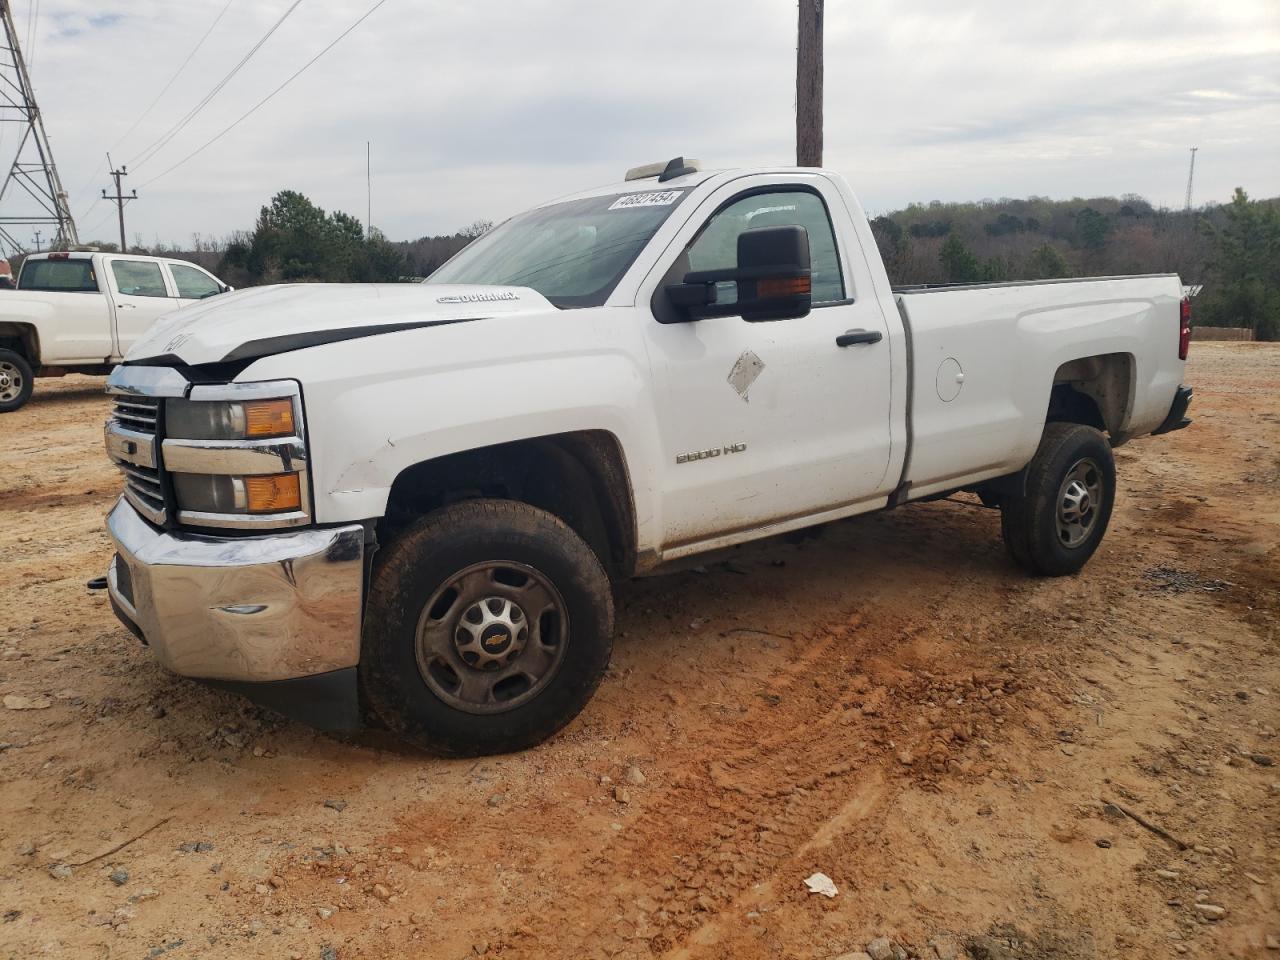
138	413
138	381
134	447
136	443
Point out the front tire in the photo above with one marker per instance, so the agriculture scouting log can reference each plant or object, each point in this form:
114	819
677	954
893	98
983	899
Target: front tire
16	381
1055	527
489	626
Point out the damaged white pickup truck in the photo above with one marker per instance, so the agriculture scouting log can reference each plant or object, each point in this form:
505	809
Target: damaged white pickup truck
406	503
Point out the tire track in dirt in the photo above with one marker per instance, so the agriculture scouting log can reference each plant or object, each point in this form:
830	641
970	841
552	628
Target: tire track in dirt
815	752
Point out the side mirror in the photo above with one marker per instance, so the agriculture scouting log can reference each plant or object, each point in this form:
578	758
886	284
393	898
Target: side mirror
228	288
773	279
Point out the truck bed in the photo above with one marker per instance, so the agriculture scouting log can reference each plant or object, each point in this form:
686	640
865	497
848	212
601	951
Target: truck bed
971	407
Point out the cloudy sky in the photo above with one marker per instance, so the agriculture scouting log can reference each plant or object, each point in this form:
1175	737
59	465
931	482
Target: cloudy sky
478	109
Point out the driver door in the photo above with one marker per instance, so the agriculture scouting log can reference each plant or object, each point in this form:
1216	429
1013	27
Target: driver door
766	422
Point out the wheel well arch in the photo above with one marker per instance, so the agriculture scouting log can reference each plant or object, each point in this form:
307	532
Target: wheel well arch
21	338
580	477
1096	391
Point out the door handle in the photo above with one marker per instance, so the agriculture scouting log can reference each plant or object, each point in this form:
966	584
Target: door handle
131	306
852	338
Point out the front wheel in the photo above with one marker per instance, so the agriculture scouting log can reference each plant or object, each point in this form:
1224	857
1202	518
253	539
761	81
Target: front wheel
489	626
16	380
1054	528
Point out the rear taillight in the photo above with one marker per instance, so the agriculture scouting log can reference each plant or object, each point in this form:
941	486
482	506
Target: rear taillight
1184	329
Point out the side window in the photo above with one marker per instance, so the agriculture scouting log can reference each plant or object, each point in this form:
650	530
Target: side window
716	247
58	276
138	278
193	284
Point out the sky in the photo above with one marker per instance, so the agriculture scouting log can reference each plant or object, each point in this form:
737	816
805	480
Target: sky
477	110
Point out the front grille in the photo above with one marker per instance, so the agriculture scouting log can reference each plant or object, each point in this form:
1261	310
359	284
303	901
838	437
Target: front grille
136	452
137	413
144	483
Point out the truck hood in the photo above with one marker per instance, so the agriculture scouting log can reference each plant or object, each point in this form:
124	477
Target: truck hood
262	321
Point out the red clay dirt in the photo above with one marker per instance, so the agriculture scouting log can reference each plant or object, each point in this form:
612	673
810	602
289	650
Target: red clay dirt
969	753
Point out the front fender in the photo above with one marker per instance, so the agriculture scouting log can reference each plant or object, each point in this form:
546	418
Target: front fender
372	411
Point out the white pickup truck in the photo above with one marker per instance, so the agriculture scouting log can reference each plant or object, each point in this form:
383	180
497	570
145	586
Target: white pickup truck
406	503
80	312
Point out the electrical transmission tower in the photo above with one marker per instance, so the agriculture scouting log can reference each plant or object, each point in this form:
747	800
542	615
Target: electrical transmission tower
1191	176
32	194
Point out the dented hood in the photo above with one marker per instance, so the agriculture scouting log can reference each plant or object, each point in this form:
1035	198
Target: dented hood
262	321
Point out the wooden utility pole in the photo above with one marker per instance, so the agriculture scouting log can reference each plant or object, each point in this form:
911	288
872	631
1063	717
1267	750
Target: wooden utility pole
809	85
120	199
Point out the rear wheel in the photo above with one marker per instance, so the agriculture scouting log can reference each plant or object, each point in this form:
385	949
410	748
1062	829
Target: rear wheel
1055	527
489	626
16	380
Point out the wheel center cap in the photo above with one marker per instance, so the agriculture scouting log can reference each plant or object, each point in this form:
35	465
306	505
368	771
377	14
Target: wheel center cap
496	639
4	380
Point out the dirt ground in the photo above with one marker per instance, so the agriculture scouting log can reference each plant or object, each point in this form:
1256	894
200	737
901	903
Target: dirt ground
985	764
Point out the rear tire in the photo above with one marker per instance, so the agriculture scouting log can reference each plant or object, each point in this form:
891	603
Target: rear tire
16	381
1055	527
489	626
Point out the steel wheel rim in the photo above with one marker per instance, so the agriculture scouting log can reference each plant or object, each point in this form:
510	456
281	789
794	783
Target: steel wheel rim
1080	501
492	637
10	381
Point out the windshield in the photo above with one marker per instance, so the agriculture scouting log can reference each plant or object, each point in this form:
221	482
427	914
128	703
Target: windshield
573	253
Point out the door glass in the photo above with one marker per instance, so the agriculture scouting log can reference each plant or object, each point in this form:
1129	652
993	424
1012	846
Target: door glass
716	247
138	278
193	284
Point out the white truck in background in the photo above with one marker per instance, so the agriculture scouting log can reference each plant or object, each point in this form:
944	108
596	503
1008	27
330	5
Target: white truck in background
407	503
80	312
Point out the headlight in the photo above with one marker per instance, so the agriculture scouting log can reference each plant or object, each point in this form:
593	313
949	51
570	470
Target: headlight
230	420
265	494
237	455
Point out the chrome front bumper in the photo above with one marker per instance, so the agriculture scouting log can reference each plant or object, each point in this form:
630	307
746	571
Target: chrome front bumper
248	609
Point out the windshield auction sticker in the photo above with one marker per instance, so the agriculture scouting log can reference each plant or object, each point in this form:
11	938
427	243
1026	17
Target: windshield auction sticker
660	199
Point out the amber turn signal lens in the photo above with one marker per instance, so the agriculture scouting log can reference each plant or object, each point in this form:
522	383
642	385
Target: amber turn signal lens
268	418
783	287
273	493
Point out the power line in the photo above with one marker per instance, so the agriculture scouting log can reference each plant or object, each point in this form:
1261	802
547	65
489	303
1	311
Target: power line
88	183
145	113
177	128
254	109
90	231
177	73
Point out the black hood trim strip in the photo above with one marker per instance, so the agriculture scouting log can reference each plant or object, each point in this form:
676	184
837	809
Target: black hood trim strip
270	346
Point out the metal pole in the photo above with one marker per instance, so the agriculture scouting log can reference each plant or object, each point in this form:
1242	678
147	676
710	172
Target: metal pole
1191	176
49	194
809	84
368	188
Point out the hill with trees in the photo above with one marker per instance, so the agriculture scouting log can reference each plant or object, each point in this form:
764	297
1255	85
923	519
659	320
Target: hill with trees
1233	249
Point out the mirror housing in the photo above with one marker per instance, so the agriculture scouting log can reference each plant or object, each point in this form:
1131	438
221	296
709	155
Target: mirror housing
773	278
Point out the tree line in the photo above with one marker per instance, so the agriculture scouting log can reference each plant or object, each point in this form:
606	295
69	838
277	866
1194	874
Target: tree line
294	240
1232	249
